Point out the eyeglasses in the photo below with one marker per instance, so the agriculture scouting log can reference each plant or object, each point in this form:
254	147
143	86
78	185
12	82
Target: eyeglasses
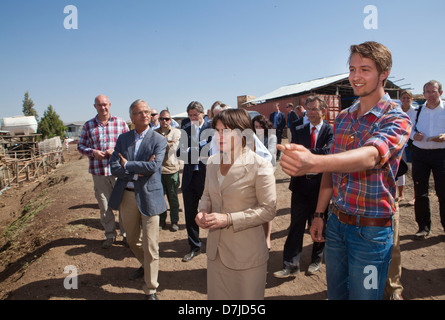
164	119
154	114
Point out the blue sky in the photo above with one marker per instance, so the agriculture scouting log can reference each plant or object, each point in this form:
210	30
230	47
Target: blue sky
172	52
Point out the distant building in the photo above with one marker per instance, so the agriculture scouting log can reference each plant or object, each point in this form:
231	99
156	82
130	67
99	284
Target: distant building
74	129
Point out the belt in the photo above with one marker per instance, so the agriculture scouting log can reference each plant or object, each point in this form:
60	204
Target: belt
362	221
129	189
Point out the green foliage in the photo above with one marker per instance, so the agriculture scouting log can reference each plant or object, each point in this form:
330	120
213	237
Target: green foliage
28	107
50	125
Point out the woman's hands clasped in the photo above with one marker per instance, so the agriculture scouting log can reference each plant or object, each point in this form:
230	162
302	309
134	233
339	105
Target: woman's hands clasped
211	221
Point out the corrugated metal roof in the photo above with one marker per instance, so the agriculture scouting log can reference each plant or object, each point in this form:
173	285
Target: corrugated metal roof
300	87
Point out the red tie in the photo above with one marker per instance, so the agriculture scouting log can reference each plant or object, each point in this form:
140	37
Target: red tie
313	138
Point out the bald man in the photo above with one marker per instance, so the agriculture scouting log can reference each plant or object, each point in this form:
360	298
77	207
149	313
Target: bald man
97	141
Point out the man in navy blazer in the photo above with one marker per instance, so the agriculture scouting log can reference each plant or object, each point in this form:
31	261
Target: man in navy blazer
138	192
305	190
278	120
302	119
199	136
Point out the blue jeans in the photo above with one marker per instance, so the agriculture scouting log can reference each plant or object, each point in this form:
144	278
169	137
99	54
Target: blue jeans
357	260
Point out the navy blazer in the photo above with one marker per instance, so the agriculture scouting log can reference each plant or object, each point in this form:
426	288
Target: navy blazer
190	155
302	135
281	121
148	187
291	117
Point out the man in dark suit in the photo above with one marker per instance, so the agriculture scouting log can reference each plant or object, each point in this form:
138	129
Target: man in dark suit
194	173
291	115
318	137
138	192
302	118
278	120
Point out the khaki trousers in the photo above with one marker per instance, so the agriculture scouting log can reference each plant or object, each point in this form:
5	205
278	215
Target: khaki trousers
148	254
103	186
393	284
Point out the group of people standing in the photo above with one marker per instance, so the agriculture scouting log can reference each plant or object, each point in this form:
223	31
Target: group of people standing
343	182
145	163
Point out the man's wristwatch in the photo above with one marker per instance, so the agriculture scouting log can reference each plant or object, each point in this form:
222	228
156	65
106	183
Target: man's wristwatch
319	215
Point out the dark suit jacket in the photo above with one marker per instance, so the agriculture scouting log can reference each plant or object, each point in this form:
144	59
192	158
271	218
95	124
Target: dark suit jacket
281	121
291	117
190	152
323	145
148	188
295	124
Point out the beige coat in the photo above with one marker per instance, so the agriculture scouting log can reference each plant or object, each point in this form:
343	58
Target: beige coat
248	193
171	163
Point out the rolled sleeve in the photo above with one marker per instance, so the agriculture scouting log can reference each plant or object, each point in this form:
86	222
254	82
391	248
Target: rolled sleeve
391	138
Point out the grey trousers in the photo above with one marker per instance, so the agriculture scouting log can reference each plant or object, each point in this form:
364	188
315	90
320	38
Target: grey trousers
103	186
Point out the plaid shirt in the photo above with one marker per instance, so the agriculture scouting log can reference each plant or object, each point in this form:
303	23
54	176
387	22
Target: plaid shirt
96	136
371	192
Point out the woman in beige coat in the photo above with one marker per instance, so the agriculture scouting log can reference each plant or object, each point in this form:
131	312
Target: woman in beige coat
239	196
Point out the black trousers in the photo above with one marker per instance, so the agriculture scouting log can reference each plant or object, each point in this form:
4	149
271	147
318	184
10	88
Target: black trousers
425	161
279	134
191	195
303	205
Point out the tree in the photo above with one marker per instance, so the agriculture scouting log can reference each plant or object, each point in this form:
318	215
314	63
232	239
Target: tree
50	125
28	107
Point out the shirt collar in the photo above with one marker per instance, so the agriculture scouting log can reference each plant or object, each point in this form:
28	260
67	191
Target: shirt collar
199	126
441	106
318	126
164	132
378	110
111	119
142	134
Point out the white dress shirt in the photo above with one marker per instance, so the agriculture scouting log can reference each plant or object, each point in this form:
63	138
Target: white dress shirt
431	123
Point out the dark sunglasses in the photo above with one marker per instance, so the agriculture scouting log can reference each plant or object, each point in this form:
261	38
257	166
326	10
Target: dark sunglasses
164	119
154	114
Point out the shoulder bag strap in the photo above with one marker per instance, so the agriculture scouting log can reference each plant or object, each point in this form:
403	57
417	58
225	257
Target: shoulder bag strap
417	118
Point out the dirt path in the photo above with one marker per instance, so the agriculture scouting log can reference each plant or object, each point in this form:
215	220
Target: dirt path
61	228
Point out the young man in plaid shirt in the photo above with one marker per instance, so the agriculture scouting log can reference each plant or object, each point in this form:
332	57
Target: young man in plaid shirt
359	177
97	141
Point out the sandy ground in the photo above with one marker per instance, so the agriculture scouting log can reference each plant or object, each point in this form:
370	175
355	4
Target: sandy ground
60	228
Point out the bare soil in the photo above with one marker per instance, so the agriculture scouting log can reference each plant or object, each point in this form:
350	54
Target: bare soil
53	223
